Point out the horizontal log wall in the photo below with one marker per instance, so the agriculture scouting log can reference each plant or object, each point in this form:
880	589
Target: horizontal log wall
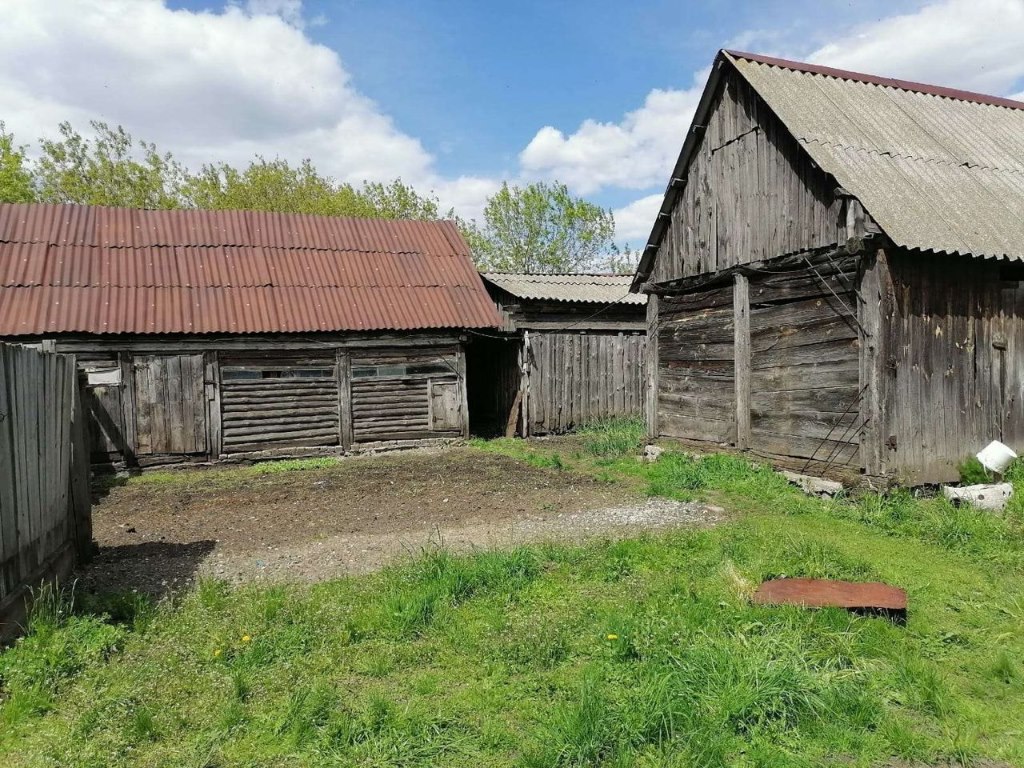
577	378
284	411
696	384
768	361
44	475
805	365
399	406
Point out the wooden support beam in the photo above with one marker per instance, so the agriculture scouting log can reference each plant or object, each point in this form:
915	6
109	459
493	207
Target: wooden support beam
344	373
651	395
741	330
874	309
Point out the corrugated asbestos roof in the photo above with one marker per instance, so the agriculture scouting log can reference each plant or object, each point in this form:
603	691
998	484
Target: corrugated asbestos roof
88	269
939	169
595	289
936	172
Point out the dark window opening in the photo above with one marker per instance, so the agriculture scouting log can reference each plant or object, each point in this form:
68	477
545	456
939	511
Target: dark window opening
240	374
398	370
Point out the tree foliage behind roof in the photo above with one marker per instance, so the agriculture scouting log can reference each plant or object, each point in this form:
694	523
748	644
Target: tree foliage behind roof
537	228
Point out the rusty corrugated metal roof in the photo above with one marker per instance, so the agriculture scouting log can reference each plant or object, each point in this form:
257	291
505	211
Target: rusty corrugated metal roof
939	169
89	269
594	289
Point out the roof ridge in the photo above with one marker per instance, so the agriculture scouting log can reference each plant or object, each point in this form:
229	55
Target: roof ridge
956	94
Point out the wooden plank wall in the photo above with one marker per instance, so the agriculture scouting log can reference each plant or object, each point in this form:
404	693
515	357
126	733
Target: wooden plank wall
767	361
805	365
751	194
44	465
401	406
170	404
696	383
283	410
576	378
955	367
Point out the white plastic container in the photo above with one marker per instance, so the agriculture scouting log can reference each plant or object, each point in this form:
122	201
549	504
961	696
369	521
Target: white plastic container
996	457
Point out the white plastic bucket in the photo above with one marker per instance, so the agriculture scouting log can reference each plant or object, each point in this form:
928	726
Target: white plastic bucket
996	457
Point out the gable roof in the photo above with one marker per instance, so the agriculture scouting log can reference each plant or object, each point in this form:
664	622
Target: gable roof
91	269
584	288
939	169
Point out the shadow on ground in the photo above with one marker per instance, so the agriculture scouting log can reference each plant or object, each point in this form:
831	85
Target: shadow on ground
153	568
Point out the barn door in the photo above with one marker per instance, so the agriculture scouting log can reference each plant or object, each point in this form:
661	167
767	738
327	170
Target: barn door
170	406
445	406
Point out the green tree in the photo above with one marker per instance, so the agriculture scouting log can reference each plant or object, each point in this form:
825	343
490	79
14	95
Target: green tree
540	228
276	185
15	175
619	261
104	170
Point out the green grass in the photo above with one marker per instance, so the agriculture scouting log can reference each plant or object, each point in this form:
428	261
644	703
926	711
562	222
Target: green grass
643	652
215	477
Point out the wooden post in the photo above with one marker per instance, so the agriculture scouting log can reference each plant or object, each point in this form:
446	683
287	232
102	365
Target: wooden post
213	409
873	310
525	386
79	497
460	366
344	375
128	407
651	353
741	335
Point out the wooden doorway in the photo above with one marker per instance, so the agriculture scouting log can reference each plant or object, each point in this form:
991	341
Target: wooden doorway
170	404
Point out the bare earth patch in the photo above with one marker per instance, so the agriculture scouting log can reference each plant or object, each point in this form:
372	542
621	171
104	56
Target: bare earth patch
352	517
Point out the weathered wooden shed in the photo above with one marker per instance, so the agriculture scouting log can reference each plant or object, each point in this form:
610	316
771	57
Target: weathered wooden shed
571	351
204	334
835	272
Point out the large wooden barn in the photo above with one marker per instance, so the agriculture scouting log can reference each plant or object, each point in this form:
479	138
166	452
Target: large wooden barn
204	335
571	351
835	272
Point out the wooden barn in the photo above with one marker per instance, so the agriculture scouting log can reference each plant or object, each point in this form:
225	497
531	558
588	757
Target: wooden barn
571	351
203	335
835	272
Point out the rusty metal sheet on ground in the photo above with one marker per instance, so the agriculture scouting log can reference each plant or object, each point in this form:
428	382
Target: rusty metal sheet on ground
819	593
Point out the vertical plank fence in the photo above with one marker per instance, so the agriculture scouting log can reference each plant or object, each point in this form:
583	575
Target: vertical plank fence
45	523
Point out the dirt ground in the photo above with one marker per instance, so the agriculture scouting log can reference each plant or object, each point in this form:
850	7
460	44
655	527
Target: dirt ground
351	517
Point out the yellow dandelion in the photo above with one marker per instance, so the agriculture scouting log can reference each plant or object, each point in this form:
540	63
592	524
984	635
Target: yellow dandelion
613	637
216	652
246	638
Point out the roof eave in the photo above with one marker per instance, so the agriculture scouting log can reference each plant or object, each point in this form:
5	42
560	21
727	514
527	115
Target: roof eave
676	182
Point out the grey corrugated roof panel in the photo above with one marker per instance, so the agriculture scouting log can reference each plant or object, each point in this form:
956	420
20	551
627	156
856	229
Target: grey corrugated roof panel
586	288
937	173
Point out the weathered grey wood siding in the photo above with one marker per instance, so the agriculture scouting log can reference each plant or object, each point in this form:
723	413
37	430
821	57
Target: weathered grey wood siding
767	361
751	193
278	401
44	474
576	378
170	404
953	373
805	365
411	394
199	398
696	385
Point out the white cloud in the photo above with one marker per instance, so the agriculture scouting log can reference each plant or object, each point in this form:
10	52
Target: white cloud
971	44
634	153
207	86
633	222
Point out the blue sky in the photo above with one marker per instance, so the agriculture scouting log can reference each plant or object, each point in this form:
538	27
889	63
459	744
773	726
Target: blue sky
457	96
